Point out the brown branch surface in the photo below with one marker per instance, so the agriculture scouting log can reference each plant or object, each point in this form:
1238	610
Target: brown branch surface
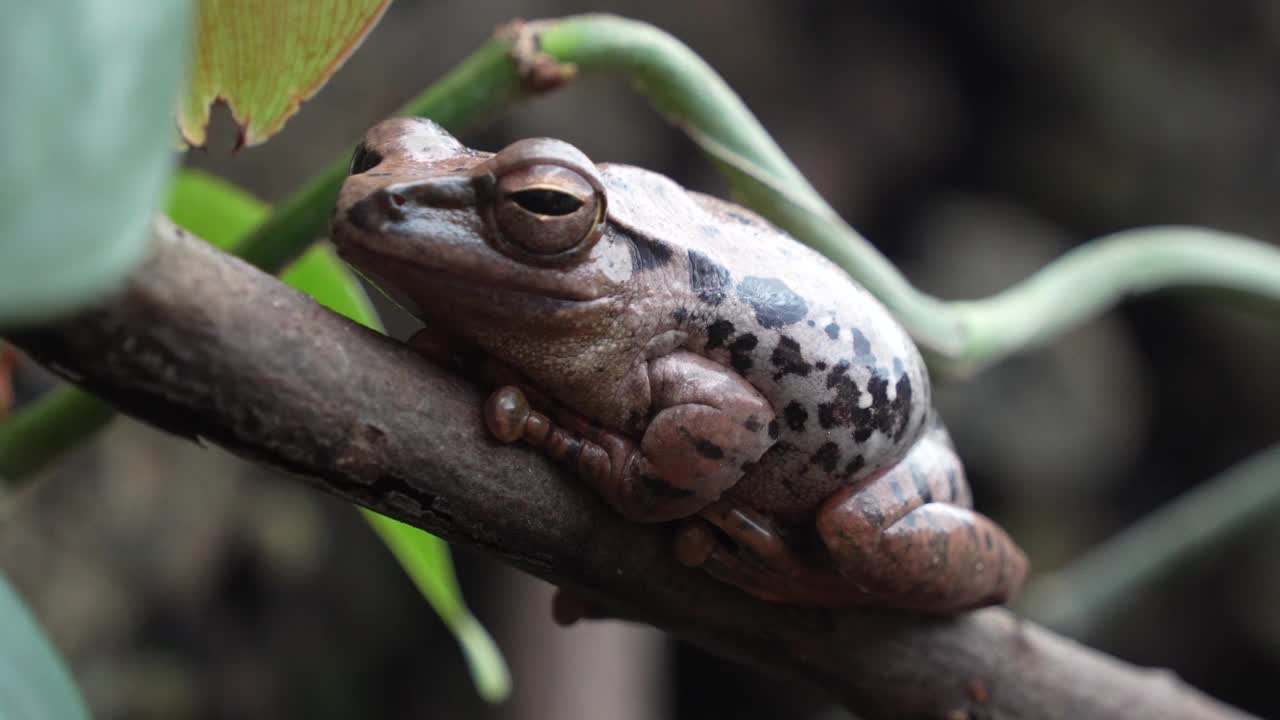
203	345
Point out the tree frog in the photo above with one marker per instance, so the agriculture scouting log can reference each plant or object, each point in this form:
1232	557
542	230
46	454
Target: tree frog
689	361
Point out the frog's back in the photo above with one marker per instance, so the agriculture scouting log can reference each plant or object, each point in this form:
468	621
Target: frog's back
848	385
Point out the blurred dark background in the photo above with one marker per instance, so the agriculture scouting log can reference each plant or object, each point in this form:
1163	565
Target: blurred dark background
973	142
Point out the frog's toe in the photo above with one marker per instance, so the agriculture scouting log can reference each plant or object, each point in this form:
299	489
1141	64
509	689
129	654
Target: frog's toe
506	413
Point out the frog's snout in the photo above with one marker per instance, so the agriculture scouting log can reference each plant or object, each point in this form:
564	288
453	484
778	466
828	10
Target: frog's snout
374	212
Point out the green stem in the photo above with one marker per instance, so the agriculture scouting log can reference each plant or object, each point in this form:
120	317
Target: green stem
1091	278
42	431
960	337
1082	597
696	99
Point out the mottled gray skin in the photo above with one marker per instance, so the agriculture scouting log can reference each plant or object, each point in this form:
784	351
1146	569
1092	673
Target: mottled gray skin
848	386
814	409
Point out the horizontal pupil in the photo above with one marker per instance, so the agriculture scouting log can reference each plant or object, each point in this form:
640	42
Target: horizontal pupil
546	202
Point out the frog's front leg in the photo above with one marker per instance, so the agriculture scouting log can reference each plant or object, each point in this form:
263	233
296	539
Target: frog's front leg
706	422
909	538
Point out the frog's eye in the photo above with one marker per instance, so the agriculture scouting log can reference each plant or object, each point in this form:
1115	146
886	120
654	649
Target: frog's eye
546	201
364	159
547	210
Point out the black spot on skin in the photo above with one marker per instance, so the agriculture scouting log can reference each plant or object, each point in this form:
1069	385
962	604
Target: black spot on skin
705	447
922	485
658	487
857	463
889	416
810	323
773	429
902	406
986	539
827	456
647	253
820	365
878	388
951	484
776	305
740	352
680	314
707	278
843	409
718	333
752	424
795	415
832	330
862	347
786	357
708	449
745	220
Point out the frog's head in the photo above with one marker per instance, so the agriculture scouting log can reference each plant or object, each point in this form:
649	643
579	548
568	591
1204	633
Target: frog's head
442	228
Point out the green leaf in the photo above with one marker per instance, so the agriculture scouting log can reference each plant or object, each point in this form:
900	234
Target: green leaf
87	134
213	209
426	559
265	58
34	684
222	213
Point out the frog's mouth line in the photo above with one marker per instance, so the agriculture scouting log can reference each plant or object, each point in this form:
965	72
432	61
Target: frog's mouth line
449	288
394	238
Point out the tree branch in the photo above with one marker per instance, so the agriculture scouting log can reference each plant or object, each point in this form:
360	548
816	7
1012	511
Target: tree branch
203	345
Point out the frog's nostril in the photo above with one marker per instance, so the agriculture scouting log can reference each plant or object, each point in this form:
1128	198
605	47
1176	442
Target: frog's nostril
363	215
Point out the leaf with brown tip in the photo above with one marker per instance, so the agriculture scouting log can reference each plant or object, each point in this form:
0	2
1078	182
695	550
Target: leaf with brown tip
263	59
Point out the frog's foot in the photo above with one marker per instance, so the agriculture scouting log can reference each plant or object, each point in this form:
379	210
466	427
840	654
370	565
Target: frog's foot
758	560
608	462
909	537
706	424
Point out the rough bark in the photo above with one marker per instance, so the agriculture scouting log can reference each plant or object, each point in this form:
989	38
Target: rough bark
201	344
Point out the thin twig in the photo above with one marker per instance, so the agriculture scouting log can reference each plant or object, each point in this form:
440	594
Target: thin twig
1091	591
